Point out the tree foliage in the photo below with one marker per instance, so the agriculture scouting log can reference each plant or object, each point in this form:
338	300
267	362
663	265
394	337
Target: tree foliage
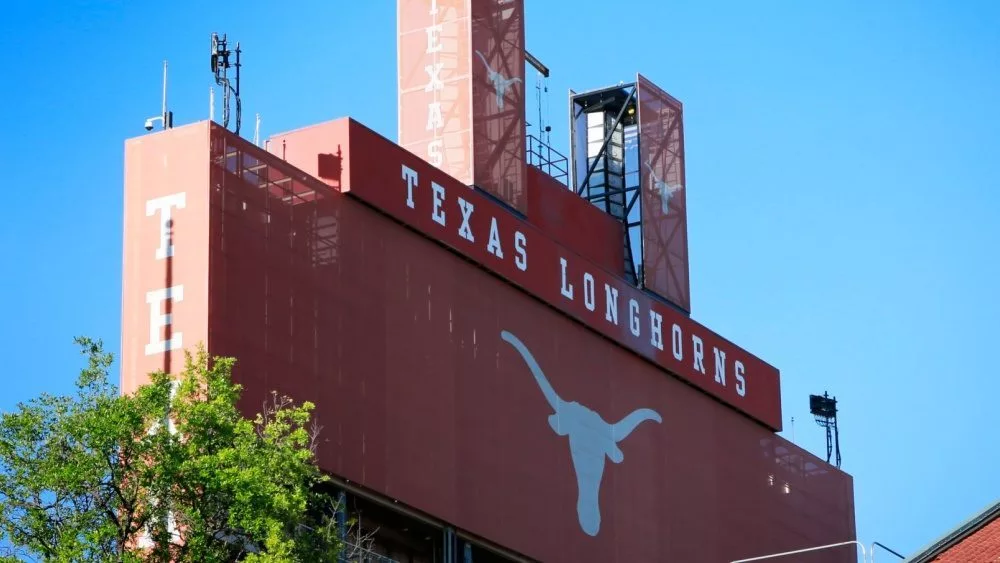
173	472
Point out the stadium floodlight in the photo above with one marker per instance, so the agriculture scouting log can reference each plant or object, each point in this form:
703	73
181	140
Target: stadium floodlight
824	410
824	406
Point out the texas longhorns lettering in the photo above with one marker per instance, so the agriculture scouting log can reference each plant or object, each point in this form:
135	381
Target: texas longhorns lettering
435	118
591	438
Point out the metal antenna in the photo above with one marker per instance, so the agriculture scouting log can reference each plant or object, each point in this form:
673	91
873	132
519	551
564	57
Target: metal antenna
239	105
163	111
541	84
256	132
538	102
166	117
211	103
220	64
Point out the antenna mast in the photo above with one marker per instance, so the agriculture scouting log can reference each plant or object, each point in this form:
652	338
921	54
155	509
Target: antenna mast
541	83
163	112
220	66
166	117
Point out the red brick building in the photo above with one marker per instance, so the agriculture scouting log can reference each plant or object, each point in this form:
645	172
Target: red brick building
977	540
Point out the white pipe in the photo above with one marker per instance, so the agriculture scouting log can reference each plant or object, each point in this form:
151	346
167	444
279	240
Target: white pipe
164	112
864	554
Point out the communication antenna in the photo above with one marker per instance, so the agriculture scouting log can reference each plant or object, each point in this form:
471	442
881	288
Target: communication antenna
541	84
211	103
824	409
220	66
256	132
544	131
166	118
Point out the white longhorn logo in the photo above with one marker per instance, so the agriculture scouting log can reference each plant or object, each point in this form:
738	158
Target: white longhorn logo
665	190
591	439
500	84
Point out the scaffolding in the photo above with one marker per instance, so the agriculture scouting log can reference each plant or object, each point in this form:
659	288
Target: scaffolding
604	151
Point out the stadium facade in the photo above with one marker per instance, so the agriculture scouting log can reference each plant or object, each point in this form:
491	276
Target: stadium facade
499	340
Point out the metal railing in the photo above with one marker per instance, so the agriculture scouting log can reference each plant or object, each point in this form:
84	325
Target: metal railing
547	159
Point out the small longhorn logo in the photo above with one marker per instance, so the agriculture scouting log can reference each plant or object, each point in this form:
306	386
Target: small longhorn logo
591	438
665	190
500	84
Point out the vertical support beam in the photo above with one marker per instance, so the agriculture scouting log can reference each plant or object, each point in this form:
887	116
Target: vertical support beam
450	542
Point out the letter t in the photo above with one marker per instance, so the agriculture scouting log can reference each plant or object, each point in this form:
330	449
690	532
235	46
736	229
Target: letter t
163	205
410	175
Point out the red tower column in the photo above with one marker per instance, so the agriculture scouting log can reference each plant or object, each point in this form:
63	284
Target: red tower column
461	91
664	197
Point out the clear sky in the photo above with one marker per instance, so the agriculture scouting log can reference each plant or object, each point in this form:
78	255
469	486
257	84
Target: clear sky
843	167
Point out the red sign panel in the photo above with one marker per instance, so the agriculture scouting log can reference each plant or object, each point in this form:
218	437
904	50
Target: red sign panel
421	196
664	194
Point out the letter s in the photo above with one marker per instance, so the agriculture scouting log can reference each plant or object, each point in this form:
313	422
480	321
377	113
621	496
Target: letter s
521	260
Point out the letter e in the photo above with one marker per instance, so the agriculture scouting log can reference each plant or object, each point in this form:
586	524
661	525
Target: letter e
438	213
158	320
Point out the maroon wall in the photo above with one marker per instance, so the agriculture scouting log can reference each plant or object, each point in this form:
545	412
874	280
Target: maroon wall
398	341
574	222
408	189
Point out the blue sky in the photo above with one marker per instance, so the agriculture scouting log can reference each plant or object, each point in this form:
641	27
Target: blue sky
843	167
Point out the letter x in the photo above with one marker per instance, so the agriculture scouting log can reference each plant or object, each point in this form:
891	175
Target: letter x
464	231
434	72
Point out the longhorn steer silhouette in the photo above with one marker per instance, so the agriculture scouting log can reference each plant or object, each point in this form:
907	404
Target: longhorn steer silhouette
591	438
665	190
499	82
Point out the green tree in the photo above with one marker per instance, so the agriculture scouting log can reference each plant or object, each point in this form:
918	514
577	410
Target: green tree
173	472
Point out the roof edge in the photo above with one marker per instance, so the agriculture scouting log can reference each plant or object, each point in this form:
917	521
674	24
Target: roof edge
957	534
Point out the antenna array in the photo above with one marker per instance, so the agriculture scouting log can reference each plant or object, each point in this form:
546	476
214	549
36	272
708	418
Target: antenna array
220	66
